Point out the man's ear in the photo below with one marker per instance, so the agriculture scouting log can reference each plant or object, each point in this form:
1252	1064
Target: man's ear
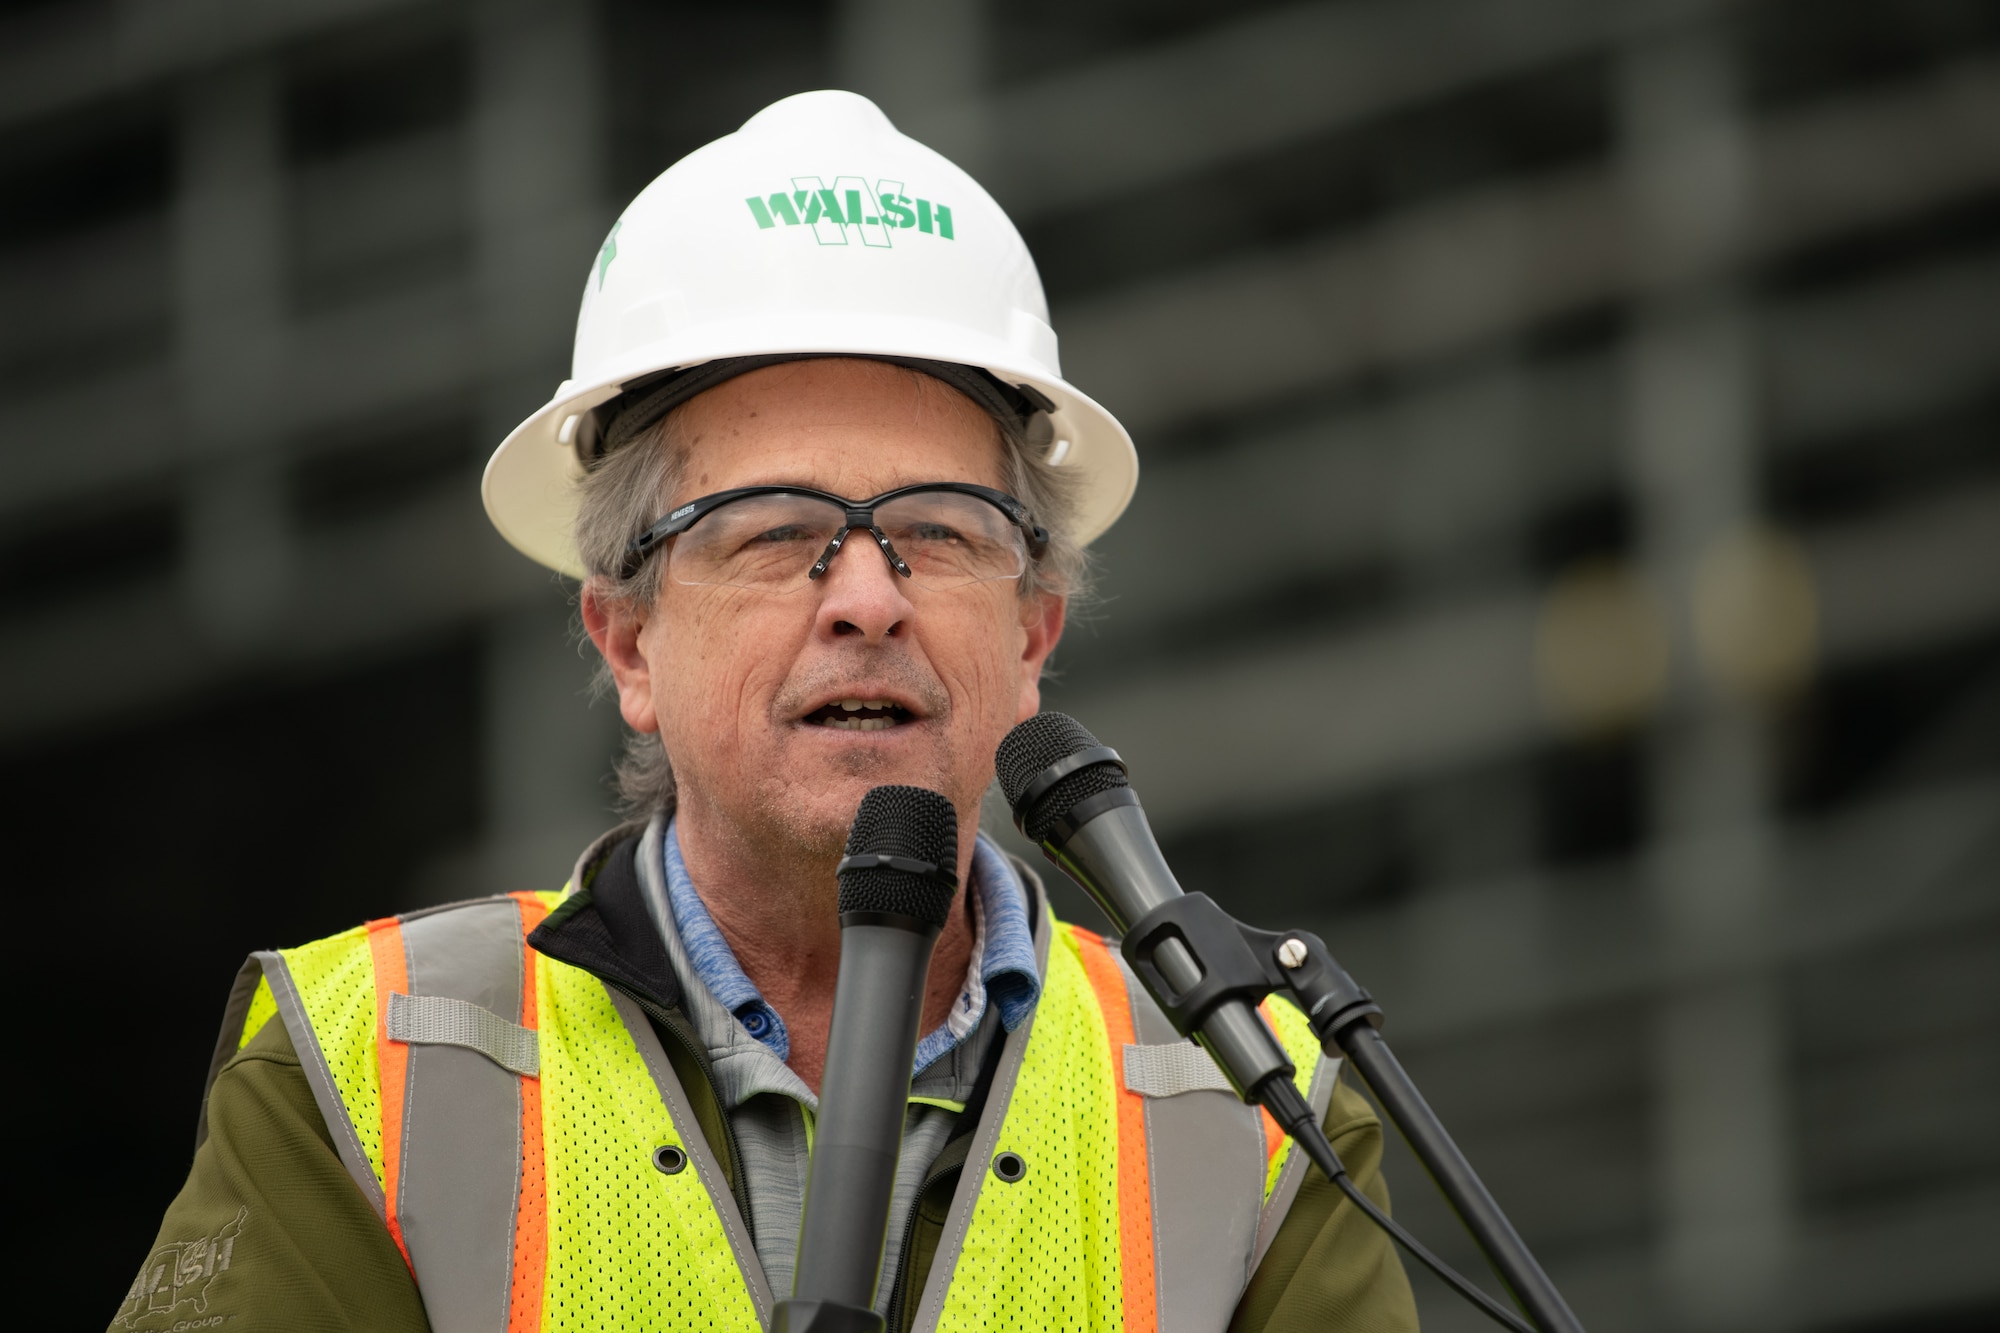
1042	621
614	627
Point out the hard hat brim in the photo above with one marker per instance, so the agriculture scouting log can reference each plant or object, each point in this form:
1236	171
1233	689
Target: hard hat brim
530	484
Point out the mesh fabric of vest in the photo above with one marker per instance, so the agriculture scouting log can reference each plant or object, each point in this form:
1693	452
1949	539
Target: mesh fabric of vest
335	978
629	1247
1045	1251
632	1248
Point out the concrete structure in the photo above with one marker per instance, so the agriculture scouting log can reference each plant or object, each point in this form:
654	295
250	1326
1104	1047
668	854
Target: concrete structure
1566	572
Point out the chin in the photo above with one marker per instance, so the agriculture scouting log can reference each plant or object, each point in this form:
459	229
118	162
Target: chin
809	785
839	795
844	791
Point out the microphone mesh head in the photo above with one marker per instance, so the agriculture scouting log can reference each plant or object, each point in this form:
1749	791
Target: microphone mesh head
1032	747
902	821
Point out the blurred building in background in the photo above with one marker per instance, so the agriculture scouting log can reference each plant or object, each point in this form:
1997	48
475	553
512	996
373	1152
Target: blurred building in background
1566	571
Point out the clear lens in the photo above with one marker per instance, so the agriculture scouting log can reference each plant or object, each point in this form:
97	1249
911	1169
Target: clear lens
949	539
762	542
768	543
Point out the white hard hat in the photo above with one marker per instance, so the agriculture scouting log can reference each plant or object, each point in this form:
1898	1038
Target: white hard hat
817	228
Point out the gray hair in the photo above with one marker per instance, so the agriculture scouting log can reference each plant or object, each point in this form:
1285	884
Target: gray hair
625	493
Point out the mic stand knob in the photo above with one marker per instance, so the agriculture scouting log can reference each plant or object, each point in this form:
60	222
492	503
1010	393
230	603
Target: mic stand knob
1232	961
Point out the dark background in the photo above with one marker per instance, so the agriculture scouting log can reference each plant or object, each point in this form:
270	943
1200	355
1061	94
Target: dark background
1566	572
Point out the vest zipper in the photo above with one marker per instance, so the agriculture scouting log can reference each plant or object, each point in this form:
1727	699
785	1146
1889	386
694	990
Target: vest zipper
968	1123
893	1320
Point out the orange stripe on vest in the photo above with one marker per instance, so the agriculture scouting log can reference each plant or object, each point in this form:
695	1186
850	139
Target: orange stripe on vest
531	1213
392	975
1135	1184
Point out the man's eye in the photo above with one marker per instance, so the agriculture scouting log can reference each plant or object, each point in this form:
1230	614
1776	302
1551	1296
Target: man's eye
934	532
776	536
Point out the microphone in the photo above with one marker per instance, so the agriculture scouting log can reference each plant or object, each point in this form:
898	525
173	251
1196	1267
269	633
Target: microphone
897	882
1071	796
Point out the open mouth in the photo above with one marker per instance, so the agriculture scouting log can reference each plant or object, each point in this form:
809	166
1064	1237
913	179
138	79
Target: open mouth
859	715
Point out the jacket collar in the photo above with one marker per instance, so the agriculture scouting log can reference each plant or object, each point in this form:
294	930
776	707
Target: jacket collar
603	926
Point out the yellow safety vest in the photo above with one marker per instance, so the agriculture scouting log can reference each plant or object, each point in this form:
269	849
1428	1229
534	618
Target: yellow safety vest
517	1125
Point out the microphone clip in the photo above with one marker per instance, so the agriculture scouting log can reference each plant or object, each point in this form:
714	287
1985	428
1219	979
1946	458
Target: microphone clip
1240	962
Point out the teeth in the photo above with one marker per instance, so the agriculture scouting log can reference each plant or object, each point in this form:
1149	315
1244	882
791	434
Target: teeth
875	714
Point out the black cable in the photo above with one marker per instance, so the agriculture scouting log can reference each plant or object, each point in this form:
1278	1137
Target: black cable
1500	1313
1305	1131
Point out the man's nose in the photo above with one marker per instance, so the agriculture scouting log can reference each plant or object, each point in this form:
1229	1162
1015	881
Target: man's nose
861	594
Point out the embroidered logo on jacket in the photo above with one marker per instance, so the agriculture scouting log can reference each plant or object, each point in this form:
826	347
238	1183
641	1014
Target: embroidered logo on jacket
171	1293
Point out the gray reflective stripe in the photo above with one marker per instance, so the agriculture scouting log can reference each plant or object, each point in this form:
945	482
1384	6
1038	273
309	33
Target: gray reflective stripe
438	1020
1319	1095
459	1185
695	1143
1205	1157
985	1139
319	1077
1172	1069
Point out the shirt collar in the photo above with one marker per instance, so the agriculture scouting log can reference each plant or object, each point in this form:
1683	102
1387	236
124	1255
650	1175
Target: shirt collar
1002	968
742	1066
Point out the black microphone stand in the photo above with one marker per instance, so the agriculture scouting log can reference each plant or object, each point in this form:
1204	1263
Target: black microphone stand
1241	962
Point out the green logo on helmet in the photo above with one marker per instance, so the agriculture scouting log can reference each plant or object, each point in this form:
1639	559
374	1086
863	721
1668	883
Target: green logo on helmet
608	253
849	205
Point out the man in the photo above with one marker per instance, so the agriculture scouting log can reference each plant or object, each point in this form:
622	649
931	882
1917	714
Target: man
827	494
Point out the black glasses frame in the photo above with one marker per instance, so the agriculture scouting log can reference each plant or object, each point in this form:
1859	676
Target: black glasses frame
859	514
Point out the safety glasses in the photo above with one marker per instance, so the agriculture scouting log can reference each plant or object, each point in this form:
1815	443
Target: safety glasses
939	535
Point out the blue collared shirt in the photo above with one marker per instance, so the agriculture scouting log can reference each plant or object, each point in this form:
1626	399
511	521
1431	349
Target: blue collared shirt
1002	969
